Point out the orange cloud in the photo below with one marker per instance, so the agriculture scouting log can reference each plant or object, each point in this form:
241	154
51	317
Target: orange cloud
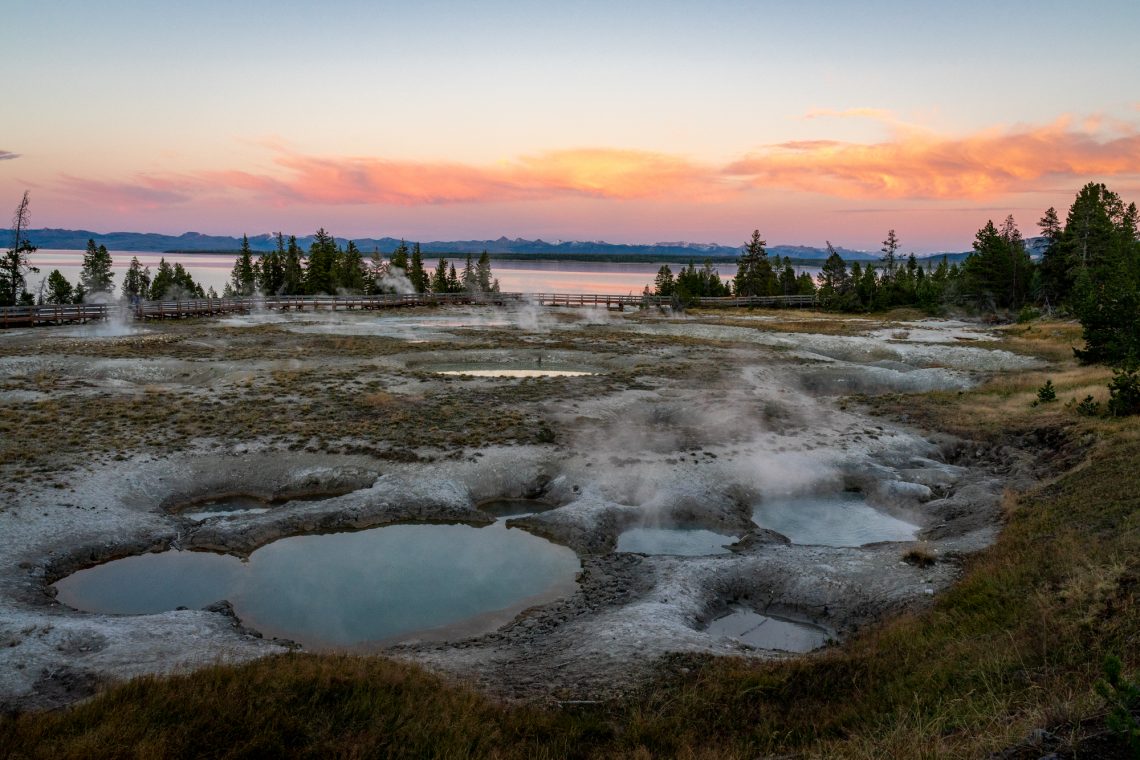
599	173
913	163
921	164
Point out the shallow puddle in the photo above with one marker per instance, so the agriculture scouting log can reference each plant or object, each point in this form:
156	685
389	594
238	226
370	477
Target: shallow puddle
835	520
346	590
678	541
511	370
504	509
766	632
228	507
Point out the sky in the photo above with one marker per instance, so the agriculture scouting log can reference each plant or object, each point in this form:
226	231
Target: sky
620	121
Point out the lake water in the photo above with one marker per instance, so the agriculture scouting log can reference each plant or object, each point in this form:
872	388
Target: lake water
346	590
213	270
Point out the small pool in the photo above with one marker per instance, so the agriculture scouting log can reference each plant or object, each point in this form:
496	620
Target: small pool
226	507
536	369
346	590
835	520
768	632
678	541
504	509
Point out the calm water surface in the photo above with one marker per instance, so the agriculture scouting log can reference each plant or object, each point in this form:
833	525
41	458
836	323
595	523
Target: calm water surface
514	276
344	590
836	520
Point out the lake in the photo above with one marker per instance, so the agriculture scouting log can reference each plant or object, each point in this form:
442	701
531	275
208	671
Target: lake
514	276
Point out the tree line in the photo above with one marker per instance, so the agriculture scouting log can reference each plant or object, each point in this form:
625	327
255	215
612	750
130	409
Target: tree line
1090	268
329	269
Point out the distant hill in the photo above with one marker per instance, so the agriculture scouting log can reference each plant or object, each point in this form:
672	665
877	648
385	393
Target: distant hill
194	242
501	249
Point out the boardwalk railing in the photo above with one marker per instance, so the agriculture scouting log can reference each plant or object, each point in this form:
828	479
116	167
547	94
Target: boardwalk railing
51	314
204	307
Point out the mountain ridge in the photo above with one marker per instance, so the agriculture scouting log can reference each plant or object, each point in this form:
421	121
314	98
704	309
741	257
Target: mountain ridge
502	247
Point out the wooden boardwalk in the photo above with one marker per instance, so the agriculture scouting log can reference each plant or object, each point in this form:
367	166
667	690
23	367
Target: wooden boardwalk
209	307
52	314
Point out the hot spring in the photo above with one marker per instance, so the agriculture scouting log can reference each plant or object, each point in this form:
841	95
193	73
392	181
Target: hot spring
835	520
346	590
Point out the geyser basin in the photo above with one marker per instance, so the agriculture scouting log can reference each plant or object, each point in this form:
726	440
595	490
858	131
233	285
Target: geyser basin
529	369
767	632
679	541
346	590
835	520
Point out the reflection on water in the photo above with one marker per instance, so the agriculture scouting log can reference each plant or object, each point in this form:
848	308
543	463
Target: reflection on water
679	541
213	270
766	632
836	520
513	372
346	589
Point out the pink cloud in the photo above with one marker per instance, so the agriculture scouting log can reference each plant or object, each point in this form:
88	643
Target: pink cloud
921	164
911	164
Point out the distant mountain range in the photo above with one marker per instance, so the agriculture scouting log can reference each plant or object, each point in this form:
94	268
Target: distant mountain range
502	248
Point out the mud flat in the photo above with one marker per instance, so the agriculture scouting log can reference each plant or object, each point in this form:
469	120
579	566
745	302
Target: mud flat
228	437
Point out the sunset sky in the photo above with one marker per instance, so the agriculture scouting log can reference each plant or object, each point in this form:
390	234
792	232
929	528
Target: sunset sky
623	121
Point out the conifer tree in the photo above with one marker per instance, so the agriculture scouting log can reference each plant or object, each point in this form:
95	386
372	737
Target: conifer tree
96	275
416	273
754	274
322	260
439	278
136	282
468	279
483	272
664	285
59	290
14	266
243	277
399	258
293	270
350	274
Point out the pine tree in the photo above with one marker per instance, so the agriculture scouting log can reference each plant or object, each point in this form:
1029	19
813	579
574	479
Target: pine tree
754	274
163	284
243	279
271	274
350	274
14	267
439	279
293	271
997	271
890	253
400	257
834	281
468	279
136	282
96	275
664	284
453	283
483	275
322	260
59	290
416	273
